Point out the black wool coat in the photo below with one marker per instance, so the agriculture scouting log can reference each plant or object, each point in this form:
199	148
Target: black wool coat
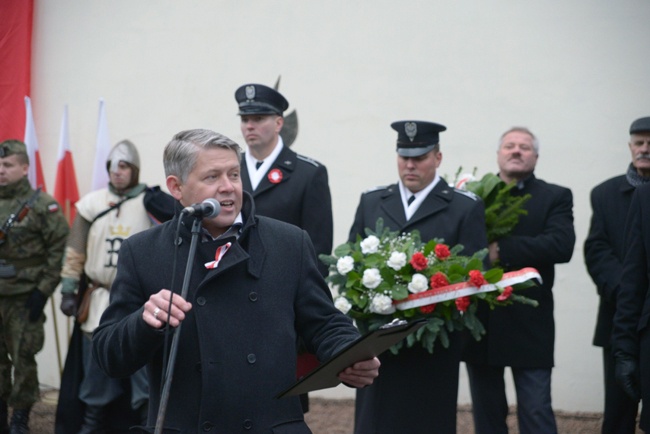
416	392
301	197
520	335
237	346
604	249
633	309
630	336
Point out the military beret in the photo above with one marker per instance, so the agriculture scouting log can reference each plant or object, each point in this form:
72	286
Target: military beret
12	147
641	125
415	138
257	99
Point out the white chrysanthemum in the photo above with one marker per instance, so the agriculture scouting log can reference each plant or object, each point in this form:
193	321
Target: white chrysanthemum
371	278
370	245
381	304
345	264
342	304
396	261
419	283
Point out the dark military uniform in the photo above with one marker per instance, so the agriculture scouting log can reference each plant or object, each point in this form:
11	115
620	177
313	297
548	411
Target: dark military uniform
301	197
416	392
34	248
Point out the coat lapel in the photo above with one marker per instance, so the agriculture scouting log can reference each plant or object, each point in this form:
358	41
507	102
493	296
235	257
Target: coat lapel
392	206
437	200
283	166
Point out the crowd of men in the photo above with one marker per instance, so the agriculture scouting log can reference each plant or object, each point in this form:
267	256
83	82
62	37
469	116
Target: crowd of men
253	301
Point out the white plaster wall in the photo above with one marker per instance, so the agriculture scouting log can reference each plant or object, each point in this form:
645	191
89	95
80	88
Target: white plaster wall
575	72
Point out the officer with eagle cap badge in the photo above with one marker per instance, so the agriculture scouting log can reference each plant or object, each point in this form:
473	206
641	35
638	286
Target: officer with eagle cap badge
417	391
284	185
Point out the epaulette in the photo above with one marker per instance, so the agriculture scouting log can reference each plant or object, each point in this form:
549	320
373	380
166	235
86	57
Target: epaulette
377	188
309	160
469	194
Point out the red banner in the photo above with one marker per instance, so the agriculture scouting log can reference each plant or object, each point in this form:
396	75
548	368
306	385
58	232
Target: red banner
15	65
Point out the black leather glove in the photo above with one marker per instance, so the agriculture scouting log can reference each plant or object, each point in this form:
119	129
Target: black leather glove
627	375
35	304
69	304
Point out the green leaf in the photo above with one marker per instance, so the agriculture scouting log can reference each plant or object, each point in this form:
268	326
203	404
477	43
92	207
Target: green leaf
493	275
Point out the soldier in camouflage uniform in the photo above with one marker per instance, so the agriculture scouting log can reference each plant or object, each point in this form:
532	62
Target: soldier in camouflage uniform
32	237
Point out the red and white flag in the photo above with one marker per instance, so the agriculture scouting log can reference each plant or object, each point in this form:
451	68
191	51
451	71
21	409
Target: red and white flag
65	187
35	174
102	149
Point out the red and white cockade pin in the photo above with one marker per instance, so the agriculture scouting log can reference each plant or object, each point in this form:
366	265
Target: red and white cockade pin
221	250
275	176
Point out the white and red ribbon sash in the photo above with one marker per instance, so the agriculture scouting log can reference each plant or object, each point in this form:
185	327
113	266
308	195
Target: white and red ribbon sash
221	250
463	289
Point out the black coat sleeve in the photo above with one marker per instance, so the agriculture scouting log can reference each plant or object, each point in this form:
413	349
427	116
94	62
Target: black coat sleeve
553	245
634	283
603	265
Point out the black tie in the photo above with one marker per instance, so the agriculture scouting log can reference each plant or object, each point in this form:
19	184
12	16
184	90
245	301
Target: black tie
258	164
411	199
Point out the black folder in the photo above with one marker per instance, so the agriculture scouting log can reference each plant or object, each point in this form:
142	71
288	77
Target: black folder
366	347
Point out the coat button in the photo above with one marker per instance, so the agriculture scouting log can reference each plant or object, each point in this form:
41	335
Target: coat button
207	426
252	296
200	301
251	358
248	424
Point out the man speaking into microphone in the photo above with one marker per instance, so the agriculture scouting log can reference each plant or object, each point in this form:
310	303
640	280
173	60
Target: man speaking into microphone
245	307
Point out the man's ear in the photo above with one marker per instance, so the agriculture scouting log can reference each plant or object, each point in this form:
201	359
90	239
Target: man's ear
174	186
279	123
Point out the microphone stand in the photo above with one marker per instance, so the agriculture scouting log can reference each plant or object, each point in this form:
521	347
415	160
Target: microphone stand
164	396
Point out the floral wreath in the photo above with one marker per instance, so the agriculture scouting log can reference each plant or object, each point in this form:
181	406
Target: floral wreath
389	275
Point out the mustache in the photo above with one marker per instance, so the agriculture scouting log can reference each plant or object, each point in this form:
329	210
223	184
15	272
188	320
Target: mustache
642	157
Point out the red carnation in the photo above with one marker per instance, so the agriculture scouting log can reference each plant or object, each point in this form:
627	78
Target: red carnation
507	291
463	303
428	309
419	261
439	280
476	278
442	251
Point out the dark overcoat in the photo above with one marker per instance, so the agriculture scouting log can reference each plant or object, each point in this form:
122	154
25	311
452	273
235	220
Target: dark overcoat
237	345
300	195
630	336
416	392
604	249
520	335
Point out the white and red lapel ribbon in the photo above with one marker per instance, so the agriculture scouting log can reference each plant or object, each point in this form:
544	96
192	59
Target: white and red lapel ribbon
221	250
463	289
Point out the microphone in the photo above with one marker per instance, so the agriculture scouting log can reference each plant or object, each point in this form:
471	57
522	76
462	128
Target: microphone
207	209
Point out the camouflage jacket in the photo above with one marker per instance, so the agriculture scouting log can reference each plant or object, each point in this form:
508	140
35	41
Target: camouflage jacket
34	246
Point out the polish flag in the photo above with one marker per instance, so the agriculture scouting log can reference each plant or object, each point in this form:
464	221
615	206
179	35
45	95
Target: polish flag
35	174
65	187
102	149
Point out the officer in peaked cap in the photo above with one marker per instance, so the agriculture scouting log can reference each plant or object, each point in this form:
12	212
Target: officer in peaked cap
415	138
284	185
257	99
421	200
